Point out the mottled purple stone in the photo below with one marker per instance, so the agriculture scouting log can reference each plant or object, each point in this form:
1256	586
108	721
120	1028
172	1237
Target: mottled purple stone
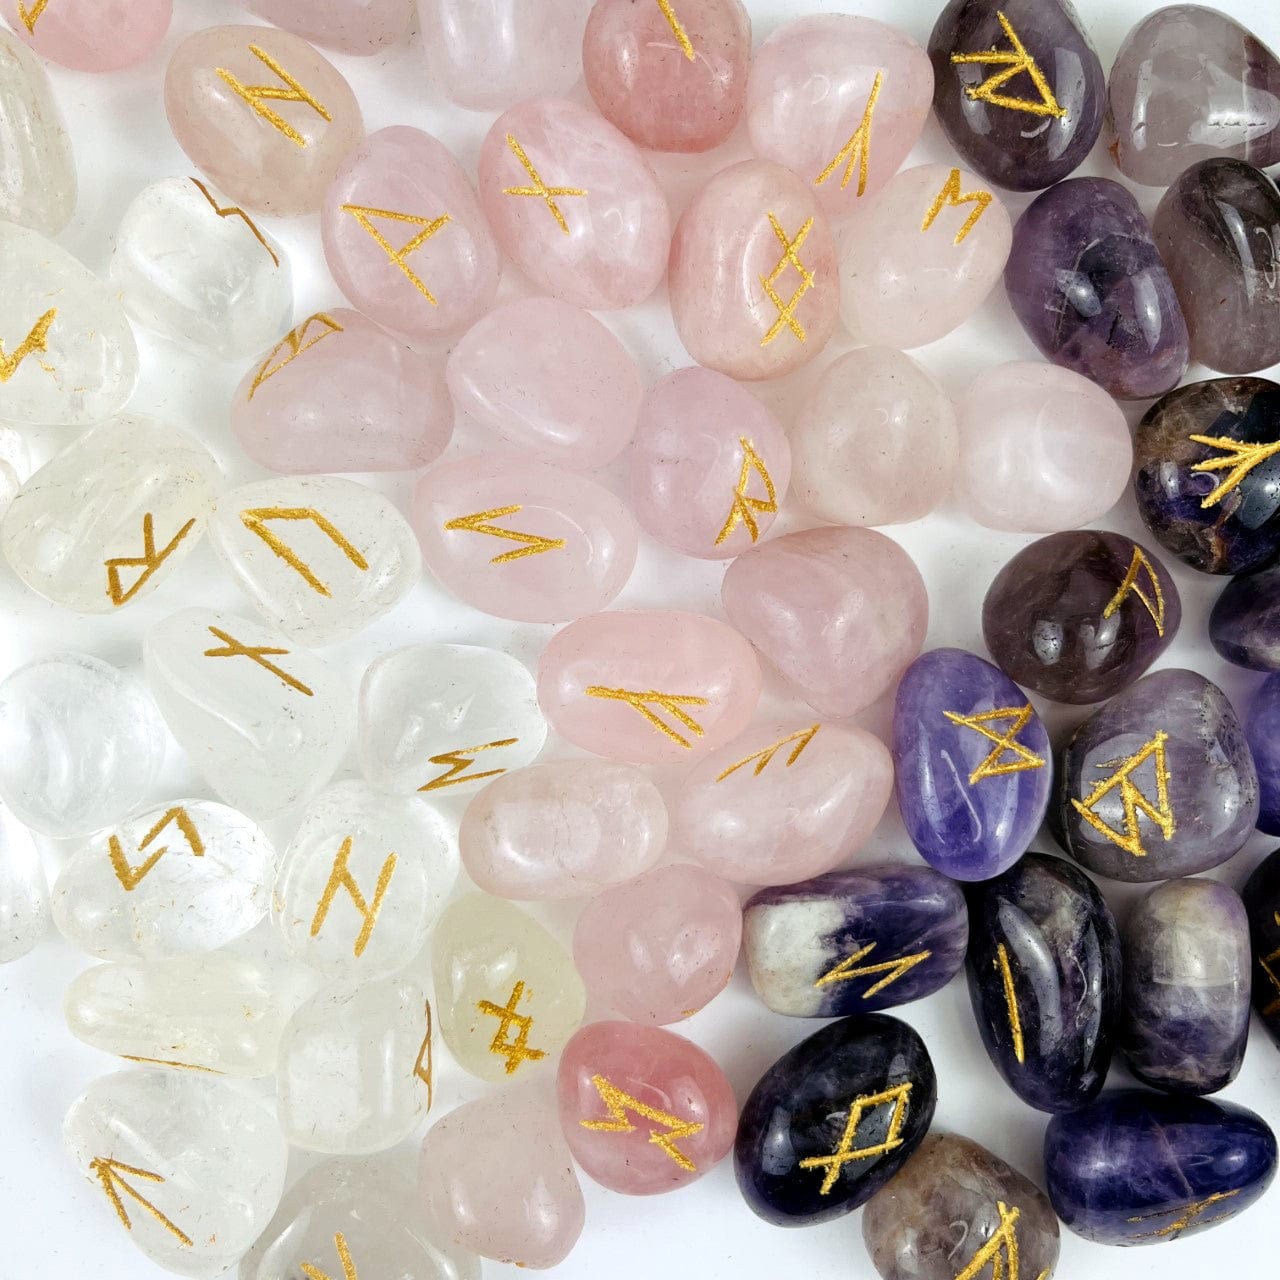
1044	979
1244	624
1086	281
1147	1168
1212	504
1018	133
1077	616
972	764
1261	895
1262	730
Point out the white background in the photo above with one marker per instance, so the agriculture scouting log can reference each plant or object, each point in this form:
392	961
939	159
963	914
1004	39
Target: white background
54	1224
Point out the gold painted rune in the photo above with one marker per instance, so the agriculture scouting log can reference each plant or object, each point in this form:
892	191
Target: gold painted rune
677	28
517	1051
539	189
952	197
1005	971
30	16
1020	759
790	257
1134	804
344	1257
1188	1216
131	877
1013	62
1266	963
619	1104
341	878
169	1062
457	762
1239	457
858	148
763	759
255	653
482	522
850	967
672	703
256	520
234	211
1153	603
109	1174
149	561
845	1151
427	228
1000	1252
745	507
36	340
292	345
423	1068
288	90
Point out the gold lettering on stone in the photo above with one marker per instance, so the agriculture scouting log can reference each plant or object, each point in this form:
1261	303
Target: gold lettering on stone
677	28
790	257
110	1174
517	1051
234	211
745	507
169	1062
952	197
36	340
344	1257
149	561
131	877
1265	963
293	344
1000	1252
255	653
482	522
539	189
341	878
1021	758
619	1104
763	759
1134	803
849	968
1013	62
857	148
423	1068
1011	1002
32	14
427	228
672	703
256	521
288	90
456	763
1153	603
1187	1217
1239	459
845	1151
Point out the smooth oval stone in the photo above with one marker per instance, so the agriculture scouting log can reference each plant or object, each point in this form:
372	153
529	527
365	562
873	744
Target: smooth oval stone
548	379
834	1119
754	280
954	1203
1190	83
67	354
855	941
262	114
1186	986
1147	1168
839	612
112	516
1019	90
574	205
362	402
405	237
874	442
1157	783
357	27
1076	617
1244	620
91	35
643	1110
648	686
783	801
522	539
80	744
1206	481
661	947
1261	895
364	879
710	465
507	994
1044	979
176	879
1086	281
265	725
1262	731
24	891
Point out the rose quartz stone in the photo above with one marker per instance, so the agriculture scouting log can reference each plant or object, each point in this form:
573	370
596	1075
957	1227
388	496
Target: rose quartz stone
673	79
1041	449
809	103
921	255
648	686
497	1179
710	465
643	1110
549	379
358	27
522	539
784	802
840	613
90	35
562	830
740	302
262	114
660	947
353	398
874	442
575	205
405	238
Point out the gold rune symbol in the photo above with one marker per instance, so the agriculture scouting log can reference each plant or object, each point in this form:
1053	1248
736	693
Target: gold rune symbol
149	561
255	520
1002	966
341	878
481	522
1000	1252
36	340
1134	803
108	1173
845	1150
677	27
422	1068
234	211
744	506
1239	458
951	197
858	147
672	703
169	1062
289	90
1013	61
892	969
1265	964
32	15
763	759
515	1051
620	1103
294	343
540	188
131	877
428	228
456	763
344	1257
1187	1217
255	653
992	767
790	256
1154	604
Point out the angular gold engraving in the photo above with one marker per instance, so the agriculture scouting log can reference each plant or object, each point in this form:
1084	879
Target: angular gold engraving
131	877
234	211
539	189
457	763
341	878
110	1173
36	340
1187	1217
745	507
619	1104
1013	62
259	654
677	28
857	148
427	227
532	544
149	561
292	345
1005	971
257	519
1239	459
790	257
952	197
1131	586
288	90
643	702
764	758
1135	804
344	1256
850	967
1021	758
845	1151
517	1051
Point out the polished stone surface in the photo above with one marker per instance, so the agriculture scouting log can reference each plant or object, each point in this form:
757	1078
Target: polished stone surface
1244	625
91	35
357	27
24	891
1261	896
1262	730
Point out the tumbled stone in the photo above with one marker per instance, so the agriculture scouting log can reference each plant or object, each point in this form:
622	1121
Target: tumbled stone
1262	731
91	35
834	1119
24	891
1261	895
1148	1168
1244	625
356	27
15	466
38	179
1157	783
1076	617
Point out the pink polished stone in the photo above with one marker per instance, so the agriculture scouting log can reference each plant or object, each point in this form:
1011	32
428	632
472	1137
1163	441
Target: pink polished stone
841	613
90	35
497	1179
648	686
262	114
575	205
755	289
643	1110
1041	449
921	255
521	539
783	802
562	830
660	947
549	379
405	237
710	465
674	78
339	393
358	27
841	100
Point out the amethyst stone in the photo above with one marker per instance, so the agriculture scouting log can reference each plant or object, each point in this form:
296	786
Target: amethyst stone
855	941
1146	1168
1085	279
1244	624
1261	895
1262	730
1077	616
1158	783
1044	978
972	764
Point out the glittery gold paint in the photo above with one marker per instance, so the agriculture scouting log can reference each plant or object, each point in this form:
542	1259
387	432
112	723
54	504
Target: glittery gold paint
849	968
149	561
672	703
1187	1217
539	189
619	1104
257	519
293	344
255	653
456	763
289	90
677	28
857	148
482	522
341	878
424	1068
1013	61
234	211
168	1062
31	15
517	1051
1265	963
1132	799
427	228
1154	603
1021	758
845	1151
951	197
109	1174
745	507
1239	458
131	877
790	257
1000	1252
344	1256
764	758
1011	1002
36	340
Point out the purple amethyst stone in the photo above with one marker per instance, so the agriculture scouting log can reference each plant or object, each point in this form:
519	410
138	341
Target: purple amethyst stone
1244	624
1261	895
1262	730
